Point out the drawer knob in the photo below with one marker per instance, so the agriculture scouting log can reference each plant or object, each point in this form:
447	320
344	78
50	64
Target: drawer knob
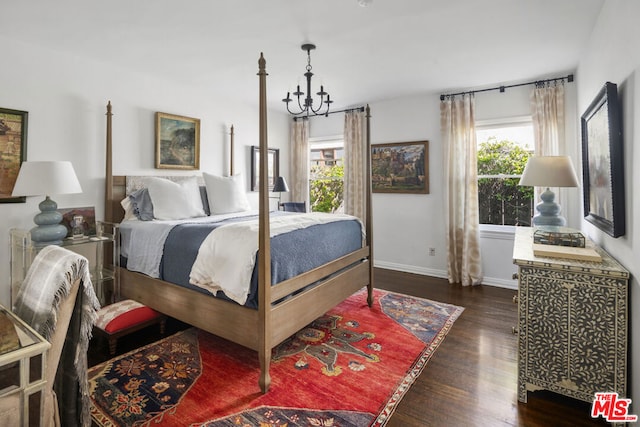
514	330
515	299
514	276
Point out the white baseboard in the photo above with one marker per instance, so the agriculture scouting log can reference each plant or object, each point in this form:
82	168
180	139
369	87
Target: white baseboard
500	283
486	281
411	269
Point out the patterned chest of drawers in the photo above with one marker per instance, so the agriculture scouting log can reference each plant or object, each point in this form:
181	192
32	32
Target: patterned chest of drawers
572	323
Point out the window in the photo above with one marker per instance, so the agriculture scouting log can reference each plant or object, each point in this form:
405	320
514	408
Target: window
503	149
326	184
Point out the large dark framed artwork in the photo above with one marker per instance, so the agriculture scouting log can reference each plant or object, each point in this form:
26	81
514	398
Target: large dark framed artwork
274	167
13	151
177	142
602	163
400	167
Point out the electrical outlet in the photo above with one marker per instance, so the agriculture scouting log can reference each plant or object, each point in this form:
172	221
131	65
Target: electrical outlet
432	251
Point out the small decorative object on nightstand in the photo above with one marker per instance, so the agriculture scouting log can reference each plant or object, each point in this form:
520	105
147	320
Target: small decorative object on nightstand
77	231
561	236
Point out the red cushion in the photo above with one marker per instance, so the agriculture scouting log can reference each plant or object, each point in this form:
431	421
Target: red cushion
131	318
122	315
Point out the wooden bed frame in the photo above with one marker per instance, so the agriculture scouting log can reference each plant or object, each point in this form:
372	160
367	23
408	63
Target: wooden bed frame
270	324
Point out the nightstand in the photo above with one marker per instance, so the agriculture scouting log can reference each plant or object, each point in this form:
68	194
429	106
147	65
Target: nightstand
94	248
23	356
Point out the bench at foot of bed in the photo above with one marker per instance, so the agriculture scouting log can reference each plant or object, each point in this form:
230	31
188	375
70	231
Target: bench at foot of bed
124	317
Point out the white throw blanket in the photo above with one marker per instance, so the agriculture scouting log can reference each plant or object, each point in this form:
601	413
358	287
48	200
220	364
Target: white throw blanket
227	256
47	283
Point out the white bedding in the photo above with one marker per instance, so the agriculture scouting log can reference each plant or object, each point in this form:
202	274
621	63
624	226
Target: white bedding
227	256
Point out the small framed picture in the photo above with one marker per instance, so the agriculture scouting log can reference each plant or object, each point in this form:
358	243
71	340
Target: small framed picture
177	142
274	167
13	151
80	222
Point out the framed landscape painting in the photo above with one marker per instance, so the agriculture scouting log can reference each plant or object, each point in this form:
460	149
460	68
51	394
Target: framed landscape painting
401	167
177	142
603	164
13	151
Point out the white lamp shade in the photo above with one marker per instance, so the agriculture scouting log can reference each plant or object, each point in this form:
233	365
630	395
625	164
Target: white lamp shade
549	171
46	178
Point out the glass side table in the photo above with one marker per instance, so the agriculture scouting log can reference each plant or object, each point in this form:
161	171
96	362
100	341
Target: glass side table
94	248
23	360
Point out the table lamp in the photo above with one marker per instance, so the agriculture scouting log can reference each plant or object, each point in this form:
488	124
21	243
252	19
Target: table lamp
549	171
44	179
280	187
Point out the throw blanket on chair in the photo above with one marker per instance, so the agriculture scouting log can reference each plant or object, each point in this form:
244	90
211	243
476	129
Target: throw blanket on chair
47	283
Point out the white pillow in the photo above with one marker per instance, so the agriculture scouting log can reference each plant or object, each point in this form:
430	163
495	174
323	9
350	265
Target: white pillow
226	194
172	200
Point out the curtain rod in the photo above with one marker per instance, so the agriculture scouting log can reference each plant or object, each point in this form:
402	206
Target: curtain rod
568	78
346	110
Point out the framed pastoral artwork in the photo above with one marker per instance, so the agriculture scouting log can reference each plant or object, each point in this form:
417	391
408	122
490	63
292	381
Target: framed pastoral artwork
177	142
400	167
13	151
80	222
274	167
602	162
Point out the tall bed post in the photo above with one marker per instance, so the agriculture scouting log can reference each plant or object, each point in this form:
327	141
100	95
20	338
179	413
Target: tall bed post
108	195
369	216
264	248
231	147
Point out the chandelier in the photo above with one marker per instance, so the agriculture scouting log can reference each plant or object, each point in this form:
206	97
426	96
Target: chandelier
305	105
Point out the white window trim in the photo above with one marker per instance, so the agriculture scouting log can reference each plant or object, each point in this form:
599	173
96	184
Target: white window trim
333	141
504	122
497	232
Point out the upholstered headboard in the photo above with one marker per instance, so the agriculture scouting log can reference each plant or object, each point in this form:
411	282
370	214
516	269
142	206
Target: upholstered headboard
136	182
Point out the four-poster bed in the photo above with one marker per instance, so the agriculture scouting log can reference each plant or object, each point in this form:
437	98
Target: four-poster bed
283	308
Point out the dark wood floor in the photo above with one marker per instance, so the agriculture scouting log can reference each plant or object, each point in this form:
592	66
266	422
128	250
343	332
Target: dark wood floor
470	380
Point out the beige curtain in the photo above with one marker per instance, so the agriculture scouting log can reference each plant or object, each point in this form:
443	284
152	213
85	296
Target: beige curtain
299	185
547	113
461	190
354	164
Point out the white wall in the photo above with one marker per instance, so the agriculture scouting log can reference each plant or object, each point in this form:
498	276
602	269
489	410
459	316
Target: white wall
66	98
407	225
613	55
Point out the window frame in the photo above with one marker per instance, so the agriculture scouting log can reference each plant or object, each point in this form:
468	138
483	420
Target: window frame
335	142
496	231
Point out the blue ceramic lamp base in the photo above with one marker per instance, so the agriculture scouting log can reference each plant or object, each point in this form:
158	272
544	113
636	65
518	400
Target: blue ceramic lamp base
548	211
49	231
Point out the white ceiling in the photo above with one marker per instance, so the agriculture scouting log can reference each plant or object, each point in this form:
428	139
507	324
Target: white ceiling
391	48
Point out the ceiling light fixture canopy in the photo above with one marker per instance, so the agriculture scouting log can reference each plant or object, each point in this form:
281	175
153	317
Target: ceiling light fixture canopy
306	107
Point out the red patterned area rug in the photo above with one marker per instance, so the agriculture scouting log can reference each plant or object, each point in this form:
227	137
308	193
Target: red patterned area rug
350	367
